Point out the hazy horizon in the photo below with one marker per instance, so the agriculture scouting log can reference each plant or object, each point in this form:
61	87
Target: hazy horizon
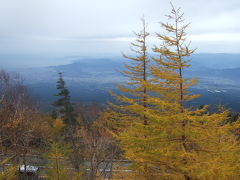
20	61
53	29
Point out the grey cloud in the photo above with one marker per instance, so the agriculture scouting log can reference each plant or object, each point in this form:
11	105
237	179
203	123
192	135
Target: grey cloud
60	25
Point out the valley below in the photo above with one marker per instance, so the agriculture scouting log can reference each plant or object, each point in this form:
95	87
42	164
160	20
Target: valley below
91	79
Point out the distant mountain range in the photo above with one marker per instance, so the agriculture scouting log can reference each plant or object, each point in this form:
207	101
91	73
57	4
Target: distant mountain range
90	79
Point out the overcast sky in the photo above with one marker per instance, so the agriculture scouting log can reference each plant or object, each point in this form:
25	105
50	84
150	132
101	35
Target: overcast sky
87	27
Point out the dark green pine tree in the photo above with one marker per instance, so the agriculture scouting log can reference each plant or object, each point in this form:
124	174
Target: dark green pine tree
63	108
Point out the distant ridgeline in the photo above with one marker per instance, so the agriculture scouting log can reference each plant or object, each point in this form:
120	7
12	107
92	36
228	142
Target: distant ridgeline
89	80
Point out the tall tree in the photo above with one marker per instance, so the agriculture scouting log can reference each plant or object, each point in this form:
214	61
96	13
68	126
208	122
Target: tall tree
63	106
133	101
178	142
171	60
65	111
137	70
172	57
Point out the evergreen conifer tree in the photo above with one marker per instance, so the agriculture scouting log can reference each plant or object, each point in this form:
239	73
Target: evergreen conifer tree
63	106
64	110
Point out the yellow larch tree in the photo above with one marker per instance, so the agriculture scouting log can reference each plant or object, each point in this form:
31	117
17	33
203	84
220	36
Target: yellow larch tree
178	142
134	91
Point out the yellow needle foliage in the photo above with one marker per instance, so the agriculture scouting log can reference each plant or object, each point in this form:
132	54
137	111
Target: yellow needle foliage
209	149
8	171
176	142
135	90
57	162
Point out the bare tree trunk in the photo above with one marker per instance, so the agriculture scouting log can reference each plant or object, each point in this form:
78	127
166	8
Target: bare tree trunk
57	166
93	169
25	165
